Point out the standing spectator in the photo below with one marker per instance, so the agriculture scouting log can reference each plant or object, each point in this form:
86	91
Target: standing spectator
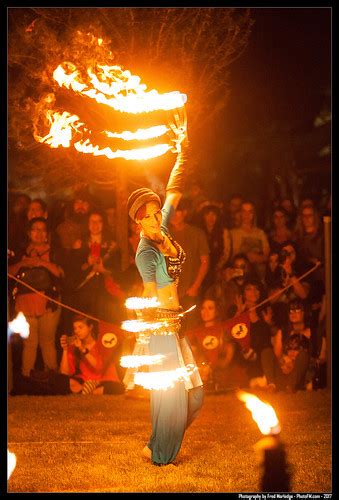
193	241
38	268
131	280
280	232
97	268
289	206
218	238
37	208
250	240
17	224
196	197
310	240
74	226
232	211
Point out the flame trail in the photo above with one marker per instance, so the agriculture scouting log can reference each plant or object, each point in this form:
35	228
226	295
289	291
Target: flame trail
123	92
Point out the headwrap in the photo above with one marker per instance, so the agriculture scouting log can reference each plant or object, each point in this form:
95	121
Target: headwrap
139	198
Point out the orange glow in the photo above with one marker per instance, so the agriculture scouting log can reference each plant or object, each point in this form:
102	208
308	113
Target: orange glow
263	414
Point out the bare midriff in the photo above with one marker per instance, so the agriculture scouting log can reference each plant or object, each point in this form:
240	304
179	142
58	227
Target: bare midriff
168	297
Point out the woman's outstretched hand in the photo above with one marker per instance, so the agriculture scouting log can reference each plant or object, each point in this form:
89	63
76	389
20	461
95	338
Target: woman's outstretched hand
179	131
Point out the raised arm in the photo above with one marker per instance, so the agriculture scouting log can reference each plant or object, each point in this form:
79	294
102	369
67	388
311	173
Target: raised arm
176	181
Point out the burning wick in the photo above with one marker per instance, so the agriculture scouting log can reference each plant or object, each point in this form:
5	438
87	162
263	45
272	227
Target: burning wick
18	325
11	463
276	477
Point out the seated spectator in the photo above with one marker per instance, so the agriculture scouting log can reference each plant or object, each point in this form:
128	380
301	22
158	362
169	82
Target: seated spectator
213	348
250	240
257	336
228	288
280	232
273	271
289	361
218	238
38	268
290	269
87	366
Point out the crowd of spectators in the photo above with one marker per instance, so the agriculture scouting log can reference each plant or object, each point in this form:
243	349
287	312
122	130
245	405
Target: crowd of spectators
259	291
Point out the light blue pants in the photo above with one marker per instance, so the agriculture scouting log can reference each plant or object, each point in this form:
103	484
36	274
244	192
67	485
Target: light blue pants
172	410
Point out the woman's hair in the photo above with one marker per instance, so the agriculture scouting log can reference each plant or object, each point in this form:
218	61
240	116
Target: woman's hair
84	319
218	308
106	236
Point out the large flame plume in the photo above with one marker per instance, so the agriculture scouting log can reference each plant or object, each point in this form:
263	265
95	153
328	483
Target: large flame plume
263	413
122	92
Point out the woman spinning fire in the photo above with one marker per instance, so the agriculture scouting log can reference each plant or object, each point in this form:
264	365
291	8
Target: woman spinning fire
159	261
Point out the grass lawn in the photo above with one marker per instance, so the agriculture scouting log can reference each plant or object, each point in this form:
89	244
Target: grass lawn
93	444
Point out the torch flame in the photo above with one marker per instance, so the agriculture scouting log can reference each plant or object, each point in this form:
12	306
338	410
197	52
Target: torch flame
11	463
19	325
263	414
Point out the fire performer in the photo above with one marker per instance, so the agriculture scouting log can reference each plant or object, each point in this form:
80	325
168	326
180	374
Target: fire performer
159	261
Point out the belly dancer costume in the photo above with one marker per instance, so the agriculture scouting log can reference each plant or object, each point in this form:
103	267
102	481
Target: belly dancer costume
172	408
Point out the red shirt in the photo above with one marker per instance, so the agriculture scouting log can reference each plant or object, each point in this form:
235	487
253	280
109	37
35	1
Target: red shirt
103	351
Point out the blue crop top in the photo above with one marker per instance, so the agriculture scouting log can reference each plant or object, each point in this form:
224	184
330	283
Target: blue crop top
150	261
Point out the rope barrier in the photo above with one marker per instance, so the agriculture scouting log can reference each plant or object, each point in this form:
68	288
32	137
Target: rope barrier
276	294
53	300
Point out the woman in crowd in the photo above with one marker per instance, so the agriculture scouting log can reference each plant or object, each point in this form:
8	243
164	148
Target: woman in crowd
87	365
218	238
38	268
96	265
87	362
289	361
159	260
213	348
280	231
250	239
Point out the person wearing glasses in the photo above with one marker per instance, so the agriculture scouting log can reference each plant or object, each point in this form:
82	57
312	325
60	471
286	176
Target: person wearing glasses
290	358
